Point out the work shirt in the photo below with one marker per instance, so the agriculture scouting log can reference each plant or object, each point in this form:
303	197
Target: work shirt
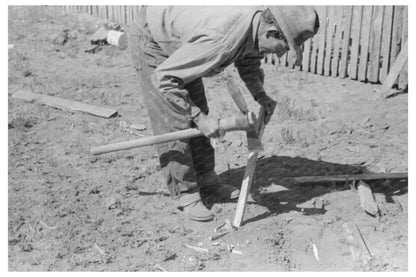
200	42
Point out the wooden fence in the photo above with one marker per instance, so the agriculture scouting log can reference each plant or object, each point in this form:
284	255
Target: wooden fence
359	42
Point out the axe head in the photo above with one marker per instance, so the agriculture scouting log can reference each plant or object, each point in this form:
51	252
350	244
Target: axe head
253	141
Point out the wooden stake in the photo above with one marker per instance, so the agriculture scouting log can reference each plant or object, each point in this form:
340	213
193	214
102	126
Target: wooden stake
248	176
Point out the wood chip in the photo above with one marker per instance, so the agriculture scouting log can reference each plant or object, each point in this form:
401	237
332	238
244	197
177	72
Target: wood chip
368	203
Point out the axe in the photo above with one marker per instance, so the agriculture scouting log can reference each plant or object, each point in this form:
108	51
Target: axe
253	142
244	122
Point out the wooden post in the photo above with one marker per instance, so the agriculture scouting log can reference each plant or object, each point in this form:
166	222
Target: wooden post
248	176
346	26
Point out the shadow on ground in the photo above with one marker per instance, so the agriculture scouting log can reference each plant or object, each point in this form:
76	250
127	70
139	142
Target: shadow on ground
267	189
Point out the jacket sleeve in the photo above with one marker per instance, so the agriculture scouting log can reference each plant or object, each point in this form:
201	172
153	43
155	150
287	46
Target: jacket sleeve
250	72
194	59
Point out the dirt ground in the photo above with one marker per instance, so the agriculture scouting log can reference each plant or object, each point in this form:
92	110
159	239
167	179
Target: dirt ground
71	211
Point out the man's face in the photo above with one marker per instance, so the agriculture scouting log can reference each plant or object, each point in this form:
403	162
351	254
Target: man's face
272	42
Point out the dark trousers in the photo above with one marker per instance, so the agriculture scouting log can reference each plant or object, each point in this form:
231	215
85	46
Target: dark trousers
183	161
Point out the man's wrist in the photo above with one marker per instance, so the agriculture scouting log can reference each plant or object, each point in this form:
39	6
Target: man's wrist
195	112
260	94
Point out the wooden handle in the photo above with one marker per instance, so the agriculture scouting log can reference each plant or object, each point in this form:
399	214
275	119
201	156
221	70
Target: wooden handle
230	124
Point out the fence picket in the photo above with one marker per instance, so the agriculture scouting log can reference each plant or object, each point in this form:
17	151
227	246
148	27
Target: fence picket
396	34
356	32
315	42
364	43
346	27
361	42
322	37
306	55
337	42
386	38
329	39
375	44
403	74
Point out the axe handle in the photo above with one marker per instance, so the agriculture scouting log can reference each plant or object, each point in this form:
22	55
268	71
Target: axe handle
229	124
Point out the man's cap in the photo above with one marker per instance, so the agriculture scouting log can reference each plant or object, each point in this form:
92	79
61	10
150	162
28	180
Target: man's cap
298	23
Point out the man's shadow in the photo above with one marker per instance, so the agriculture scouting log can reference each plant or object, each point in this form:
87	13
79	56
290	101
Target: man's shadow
268	190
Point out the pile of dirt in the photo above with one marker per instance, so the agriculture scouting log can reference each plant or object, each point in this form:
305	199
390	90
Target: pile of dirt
71	211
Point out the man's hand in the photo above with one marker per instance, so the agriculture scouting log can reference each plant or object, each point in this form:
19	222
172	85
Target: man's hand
268	104
208	125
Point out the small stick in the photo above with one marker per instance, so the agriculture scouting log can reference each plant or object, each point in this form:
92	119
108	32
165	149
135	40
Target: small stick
197	249
219	235
47	226
363	241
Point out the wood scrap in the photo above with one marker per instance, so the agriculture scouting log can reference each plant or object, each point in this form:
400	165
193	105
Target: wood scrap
63	104
368	203
398	64
197	249
343	178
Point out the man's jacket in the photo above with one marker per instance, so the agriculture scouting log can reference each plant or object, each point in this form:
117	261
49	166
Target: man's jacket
201	41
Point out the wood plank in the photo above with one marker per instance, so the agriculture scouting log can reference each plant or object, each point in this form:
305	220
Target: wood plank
306	55
395	70
396	34
355	35
329	40
343	178
364	43
248	176
346	28
337	43
403	74
322	37
385	44
368	204
63	104
375	44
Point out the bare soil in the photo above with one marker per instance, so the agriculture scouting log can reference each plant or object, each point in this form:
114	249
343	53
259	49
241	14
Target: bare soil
70	211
